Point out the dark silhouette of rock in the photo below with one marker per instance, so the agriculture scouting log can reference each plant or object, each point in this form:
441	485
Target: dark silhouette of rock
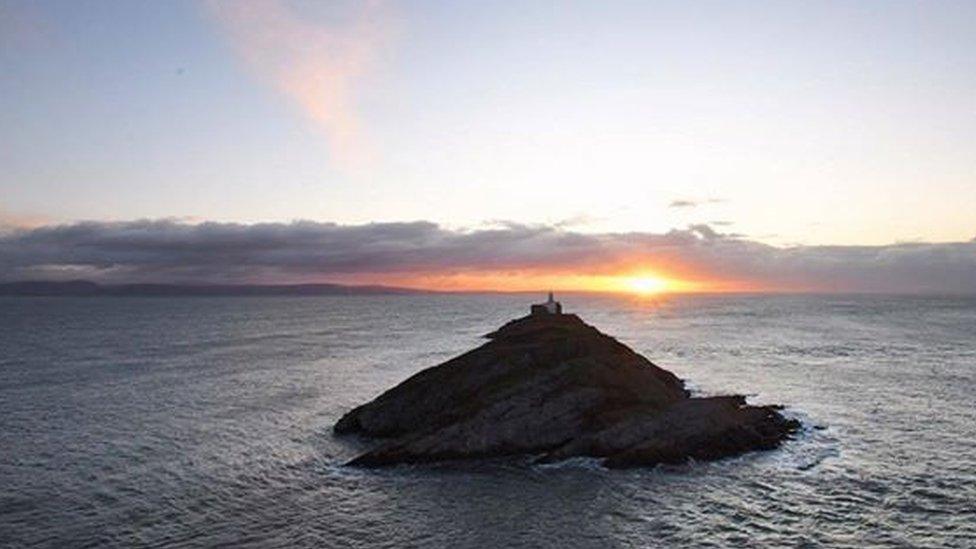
554	387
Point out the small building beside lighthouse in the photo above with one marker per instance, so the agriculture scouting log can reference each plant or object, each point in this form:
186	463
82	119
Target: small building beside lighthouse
550	307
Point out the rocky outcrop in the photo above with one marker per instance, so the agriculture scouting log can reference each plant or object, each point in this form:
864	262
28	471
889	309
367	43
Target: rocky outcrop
554	387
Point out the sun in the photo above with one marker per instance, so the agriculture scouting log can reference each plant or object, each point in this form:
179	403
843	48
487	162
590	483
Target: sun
646	284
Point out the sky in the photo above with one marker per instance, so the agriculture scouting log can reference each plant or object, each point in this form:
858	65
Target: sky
482	145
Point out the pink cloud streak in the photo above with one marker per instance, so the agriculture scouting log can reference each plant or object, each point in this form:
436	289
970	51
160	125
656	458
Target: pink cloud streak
315	60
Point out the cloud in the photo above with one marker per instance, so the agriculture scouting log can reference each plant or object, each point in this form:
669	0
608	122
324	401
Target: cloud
172	250
315	54
578	220
689	203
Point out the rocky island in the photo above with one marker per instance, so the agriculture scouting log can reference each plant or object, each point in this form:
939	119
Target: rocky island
552	387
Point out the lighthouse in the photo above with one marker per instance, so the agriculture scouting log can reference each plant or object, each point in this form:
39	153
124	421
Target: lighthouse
550	307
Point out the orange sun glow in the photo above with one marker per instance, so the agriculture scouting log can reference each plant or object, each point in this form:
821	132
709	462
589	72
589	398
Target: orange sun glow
640	283
646	284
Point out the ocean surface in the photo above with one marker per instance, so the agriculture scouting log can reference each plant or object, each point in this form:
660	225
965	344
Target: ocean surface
204	422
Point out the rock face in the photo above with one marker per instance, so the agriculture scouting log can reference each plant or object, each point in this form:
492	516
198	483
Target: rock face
554	387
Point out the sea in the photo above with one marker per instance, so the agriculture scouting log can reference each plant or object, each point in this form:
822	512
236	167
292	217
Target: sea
206	422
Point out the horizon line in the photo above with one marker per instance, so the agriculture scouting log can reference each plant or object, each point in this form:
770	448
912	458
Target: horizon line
61	288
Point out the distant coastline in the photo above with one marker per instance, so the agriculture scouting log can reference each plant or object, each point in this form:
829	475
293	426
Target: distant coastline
85	288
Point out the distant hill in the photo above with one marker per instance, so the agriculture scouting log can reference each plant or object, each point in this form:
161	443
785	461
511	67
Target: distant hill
87	288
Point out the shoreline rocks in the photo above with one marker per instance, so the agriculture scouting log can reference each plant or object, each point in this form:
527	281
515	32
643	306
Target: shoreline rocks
553	387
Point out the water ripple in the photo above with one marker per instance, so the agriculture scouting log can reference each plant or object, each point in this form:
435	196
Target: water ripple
206	422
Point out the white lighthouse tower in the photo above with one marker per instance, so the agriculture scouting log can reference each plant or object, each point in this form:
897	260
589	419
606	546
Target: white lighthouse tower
550	307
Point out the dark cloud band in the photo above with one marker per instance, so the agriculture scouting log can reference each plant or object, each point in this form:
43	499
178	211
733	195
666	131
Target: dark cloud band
173	251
